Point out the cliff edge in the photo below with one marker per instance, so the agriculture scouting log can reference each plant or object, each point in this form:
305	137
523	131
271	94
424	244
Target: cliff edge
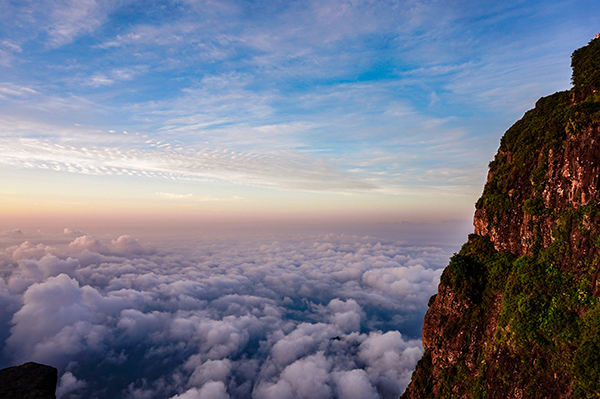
517	313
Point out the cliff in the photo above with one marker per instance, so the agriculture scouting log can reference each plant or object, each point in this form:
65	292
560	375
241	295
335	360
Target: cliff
517	313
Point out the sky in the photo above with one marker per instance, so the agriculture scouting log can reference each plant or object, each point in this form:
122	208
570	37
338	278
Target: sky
187	113
250	199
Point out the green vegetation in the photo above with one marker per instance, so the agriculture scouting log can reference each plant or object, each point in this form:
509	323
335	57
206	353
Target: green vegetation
534	206
586	362
422	374
519	170
540	305
475	271
466	277
540	314
547	313
521	162
473	275
586	65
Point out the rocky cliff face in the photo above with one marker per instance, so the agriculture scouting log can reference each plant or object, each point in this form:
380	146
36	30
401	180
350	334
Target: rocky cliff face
571	180
517	312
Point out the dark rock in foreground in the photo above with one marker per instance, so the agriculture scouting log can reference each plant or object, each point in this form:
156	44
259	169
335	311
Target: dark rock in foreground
28	381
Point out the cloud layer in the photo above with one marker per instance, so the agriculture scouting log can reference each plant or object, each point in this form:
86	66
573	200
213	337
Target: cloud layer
271	317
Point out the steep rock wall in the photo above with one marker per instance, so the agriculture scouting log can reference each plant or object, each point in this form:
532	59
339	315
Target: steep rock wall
517	313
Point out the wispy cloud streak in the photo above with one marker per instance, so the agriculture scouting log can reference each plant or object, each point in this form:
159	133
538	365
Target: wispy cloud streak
284	170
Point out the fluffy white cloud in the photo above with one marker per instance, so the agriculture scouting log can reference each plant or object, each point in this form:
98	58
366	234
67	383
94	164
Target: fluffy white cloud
309	377
300	317
354	384
56	321
68	384
88	242
210	390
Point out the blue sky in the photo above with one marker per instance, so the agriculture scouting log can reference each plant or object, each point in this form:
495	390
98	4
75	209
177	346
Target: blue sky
382	110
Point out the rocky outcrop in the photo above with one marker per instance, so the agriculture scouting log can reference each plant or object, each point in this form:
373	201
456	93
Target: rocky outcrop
517	313
28	381
572	180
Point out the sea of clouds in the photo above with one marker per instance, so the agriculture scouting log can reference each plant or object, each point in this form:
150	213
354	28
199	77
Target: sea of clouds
321	316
